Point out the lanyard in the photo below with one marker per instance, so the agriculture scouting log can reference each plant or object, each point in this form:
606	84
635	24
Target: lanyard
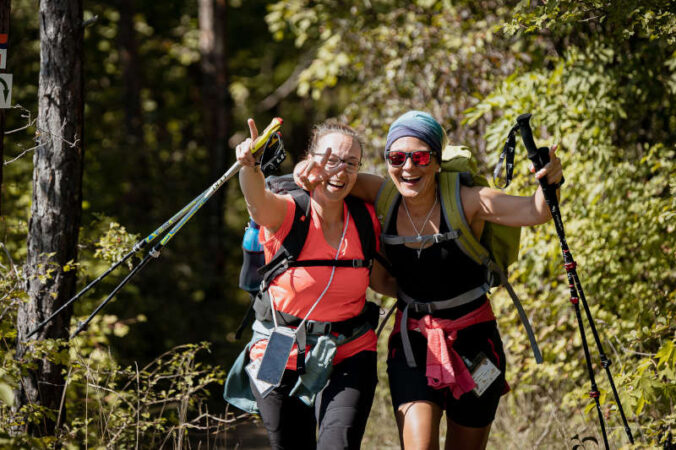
333	271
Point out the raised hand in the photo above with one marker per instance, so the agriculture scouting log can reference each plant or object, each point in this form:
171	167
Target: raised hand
309	173
243	150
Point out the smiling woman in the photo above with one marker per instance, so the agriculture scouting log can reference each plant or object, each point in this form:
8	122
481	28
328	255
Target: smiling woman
311	360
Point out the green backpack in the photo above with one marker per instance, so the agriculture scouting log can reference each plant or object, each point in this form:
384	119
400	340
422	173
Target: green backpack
499	244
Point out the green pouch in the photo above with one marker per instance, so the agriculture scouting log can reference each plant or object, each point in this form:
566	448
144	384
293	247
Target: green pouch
237	390
318	367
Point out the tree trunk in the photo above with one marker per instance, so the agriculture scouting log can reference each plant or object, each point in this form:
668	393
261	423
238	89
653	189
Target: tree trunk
57	200
216	113
5	8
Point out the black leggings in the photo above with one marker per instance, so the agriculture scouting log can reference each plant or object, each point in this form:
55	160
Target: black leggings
341	408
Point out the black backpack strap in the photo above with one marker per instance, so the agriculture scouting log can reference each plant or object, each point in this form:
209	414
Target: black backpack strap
364	224
293	242
353	263
248	317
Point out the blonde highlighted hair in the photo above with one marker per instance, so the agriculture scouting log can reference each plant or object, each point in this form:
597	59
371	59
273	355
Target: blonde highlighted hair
332	126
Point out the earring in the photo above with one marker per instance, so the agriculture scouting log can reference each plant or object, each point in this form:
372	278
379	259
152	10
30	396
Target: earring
439	170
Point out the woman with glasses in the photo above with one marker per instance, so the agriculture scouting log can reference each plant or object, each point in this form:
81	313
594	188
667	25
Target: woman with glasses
321	307
436	271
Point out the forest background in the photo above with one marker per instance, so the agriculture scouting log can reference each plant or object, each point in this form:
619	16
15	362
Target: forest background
167	90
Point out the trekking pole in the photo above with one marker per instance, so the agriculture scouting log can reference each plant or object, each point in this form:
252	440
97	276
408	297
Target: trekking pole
190	211
540	157
138	246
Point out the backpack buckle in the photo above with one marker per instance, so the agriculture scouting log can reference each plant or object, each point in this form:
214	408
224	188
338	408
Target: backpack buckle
286	262
422	307
318	328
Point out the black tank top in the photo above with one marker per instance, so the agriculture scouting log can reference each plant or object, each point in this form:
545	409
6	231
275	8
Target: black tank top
442	272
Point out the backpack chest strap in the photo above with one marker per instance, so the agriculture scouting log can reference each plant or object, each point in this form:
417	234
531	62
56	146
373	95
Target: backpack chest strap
393	239
429	308
351	263
282	262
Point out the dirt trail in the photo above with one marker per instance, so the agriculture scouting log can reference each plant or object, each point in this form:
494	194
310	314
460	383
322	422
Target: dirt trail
247	436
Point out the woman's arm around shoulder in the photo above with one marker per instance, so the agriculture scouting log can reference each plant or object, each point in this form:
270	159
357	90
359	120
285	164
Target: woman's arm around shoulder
266	208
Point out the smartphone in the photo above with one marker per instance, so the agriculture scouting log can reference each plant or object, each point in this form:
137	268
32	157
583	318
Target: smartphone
276	355
262	387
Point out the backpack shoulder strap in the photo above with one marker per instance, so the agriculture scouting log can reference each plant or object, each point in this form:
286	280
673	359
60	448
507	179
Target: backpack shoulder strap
451	203
293	242
385	202
364	224
451	206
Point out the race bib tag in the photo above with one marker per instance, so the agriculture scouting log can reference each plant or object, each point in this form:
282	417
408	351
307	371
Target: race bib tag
276	356
484	373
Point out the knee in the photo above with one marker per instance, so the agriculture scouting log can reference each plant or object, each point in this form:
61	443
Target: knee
341	429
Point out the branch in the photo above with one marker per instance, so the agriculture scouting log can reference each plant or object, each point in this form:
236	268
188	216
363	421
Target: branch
26	115
20	155
289	85
29	123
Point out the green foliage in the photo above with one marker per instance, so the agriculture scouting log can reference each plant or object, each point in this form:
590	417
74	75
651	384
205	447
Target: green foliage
598	76
115	244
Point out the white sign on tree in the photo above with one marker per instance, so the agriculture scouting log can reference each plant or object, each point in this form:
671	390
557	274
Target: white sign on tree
5	90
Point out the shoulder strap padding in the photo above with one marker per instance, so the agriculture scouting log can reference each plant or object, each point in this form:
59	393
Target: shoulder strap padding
451	206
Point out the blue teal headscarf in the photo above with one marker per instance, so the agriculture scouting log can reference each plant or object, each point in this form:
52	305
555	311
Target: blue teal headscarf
420	125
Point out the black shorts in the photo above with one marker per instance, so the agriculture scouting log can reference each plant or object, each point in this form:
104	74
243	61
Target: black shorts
408	384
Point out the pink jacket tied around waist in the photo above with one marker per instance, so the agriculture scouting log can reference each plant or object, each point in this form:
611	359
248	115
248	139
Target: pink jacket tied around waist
445	367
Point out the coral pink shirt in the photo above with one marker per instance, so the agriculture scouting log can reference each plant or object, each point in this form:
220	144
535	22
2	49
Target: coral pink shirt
296	290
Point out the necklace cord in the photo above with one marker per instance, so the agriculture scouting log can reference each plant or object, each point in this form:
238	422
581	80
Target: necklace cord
427	218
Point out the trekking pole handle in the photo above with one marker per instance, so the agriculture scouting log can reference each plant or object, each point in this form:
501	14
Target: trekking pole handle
272	128
538	156
257	145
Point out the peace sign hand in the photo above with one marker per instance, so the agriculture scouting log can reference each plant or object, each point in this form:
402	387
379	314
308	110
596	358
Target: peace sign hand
310	173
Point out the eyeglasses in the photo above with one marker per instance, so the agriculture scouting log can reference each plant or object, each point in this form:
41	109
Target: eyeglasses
352	165
420	158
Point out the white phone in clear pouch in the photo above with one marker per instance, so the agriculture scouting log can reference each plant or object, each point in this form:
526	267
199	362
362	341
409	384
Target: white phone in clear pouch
276	355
